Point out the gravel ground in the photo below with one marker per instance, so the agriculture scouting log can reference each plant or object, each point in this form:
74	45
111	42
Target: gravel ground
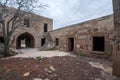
56	68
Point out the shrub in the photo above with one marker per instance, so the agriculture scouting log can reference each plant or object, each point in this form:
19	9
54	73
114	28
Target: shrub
39	58
51	49
80	54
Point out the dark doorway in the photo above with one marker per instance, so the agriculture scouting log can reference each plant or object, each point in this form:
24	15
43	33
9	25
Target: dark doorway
98	44
57	41
25	40
1	39
71	44
42	41
45	27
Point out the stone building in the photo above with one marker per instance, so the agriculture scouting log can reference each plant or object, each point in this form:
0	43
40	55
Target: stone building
91	38
30	33
96	38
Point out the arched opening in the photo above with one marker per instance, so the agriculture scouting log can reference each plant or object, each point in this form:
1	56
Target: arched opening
25	40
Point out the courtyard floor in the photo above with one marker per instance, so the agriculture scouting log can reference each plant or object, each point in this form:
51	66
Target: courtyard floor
32	53
54	65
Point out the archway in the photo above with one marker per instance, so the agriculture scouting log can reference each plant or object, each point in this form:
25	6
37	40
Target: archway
25	40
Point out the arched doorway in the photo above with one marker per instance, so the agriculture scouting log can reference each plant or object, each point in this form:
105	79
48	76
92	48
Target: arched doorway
25	40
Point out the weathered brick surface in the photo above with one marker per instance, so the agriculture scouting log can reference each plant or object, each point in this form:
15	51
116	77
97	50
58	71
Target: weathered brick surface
83	34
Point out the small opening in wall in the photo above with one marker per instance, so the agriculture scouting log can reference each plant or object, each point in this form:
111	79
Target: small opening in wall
45	27
71	44
26	22
98	44
1	39
42	41
57	41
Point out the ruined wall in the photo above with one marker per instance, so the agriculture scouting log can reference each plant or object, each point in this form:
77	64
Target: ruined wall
83	34
116	52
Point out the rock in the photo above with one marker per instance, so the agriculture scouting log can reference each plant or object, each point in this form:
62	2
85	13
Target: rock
50	61
20	52
45	69
36	66
73	70
46	74
49	72
64	59
26	74
37	79
55	75
97	79
21	59
52	68
8	70
14	51
46	79
25	65
97	65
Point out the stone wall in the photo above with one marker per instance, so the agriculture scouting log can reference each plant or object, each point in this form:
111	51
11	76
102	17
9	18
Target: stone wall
36	29
116	52
83	34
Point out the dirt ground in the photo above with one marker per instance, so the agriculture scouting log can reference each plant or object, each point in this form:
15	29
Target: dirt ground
56	68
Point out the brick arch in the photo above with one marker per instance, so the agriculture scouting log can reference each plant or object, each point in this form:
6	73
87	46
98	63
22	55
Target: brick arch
28	38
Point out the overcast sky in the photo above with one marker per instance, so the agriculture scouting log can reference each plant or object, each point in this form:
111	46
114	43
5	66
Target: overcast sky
67	12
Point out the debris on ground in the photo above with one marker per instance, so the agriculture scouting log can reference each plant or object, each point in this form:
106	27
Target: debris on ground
26	74
56	68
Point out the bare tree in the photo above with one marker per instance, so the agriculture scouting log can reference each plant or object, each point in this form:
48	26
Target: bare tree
12	13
